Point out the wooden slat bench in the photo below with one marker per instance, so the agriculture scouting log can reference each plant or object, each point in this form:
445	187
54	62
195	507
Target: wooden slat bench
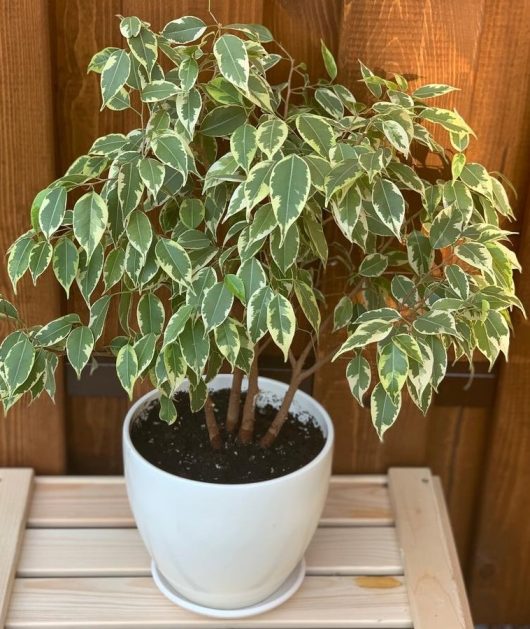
383	556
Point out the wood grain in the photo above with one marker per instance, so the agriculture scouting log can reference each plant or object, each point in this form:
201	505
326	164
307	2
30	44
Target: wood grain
84	552
27	165
331	602
435	587
102	502
15	492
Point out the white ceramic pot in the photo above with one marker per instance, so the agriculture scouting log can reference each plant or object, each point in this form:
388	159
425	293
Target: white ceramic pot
228	546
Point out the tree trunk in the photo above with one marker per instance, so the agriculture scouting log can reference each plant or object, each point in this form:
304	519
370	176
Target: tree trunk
246	432
276	425
211	424
234	402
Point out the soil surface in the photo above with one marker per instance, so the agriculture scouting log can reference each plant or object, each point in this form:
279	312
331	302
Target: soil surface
184	449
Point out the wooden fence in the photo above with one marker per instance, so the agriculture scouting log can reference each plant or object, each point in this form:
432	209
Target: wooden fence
49	114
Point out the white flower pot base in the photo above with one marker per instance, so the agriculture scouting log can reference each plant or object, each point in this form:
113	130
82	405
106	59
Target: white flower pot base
283	593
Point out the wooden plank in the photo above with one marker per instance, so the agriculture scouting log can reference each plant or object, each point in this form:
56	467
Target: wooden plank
102	502
121	552
27	165
437	600
15	487
135	602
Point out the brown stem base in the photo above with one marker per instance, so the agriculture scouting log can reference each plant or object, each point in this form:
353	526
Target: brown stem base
281	416
234	401
246	432
211	424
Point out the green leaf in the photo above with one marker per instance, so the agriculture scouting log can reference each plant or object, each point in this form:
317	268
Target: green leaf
450	120
419	252
270	136
329	60
243	145
476	254
171	150
359	376
446	227
150	314
18	363
52	210
365	333
392	366
189	106
389	205
235	286
397	136
317	132
152	173
223	92
256	186
285	253
432	89
289	190
192	212
130	188
108	145
223	120
130	26
458	280
281	322
330	102
188	73
98	314
144	348
114	74
19	257
7	310
195	345
56	331
216	305
120	101
98	61
307	300
256	32
477	178
157	91
174	260
253	276
373	265
90	220
435	322
232	59
407	176
174	364
384	409
184	30
39	259
168	411
79	348
144	47
114	267
227	340
343	313
257	313
404	290
127	368
457	165
139	231
90	273
176	323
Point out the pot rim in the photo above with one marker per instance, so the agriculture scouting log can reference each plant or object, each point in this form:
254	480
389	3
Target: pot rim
301	396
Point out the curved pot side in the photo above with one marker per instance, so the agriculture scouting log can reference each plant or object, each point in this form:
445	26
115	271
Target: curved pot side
228	546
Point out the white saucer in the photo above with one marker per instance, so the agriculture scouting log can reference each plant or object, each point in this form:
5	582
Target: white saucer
285	591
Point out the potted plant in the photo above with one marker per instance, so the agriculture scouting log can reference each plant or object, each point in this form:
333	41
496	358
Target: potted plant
208	228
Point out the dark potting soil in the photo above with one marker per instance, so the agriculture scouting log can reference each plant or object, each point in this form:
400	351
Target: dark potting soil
184	449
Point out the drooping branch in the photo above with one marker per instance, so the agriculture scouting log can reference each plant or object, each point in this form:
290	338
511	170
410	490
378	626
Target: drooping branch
246	432
212	426
234	401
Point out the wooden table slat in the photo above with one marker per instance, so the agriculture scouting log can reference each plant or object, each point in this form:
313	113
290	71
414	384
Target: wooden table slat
135	602
121	552
436	596
15	489
102	502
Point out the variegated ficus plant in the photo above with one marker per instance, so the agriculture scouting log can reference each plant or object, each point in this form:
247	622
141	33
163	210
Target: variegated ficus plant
209	226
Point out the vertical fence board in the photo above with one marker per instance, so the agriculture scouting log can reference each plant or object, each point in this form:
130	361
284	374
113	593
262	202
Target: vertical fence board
27	165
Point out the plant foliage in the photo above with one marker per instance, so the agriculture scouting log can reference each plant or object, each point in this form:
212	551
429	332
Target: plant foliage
208	227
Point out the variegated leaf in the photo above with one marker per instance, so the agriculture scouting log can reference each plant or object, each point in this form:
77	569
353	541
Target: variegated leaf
359	376
79	348
281	322
271	135
232	59
384	409
289	190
